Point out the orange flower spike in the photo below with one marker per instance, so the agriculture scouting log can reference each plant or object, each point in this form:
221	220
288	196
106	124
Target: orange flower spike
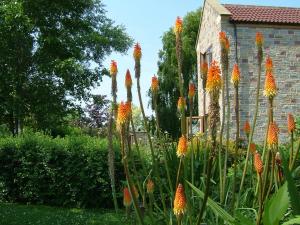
222	38
291	123
204	69
252	148
269	64
182	146
259	39
113	68
150	186
128	80
137	52
192	90
214	80
227	44
181	104
258	164
154	84
272	138
179	201
247	128
235	77
178	26
122	114
270	90
126	197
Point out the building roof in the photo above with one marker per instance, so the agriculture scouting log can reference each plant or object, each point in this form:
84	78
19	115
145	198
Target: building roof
263	14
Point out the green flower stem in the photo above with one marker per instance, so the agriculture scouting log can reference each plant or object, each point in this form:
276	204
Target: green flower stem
128	177
296	156
192	147
258	221
292	150
154	161
259	60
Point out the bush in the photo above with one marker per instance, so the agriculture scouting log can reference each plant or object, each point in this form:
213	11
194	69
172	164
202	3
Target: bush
70	171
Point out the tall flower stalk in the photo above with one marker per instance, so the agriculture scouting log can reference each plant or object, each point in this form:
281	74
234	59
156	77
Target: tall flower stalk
235	80
191	95
213	87
113	113
137	55
291	128
178	28
270	91
259	39
124	113
224	43
258	164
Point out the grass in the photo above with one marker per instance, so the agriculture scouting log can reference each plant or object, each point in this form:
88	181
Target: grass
15	214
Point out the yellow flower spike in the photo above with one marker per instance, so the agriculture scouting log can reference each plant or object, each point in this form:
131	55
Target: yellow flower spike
291	123
179	201
128	80
137	52
182	146
270	89
150	186
258	164
272	138
269	64
181	104
178	26
214	80
192	90
235	77
259	39
113	68
126	197
154	84
124	112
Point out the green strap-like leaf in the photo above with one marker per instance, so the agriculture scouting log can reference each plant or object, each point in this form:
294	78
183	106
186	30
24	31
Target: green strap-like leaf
293	221
276	206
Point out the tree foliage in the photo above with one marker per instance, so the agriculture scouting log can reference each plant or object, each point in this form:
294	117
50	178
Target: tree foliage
168	73
51	54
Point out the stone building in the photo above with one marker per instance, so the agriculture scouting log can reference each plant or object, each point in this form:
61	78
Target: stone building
281	29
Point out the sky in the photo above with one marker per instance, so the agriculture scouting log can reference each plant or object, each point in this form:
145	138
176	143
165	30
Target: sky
146	21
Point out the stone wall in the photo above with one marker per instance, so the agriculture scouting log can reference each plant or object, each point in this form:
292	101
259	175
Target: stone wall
282	43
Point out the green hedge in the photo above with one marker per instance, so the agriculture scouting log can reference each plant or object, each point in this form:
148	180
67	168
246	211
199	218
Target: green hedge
70	171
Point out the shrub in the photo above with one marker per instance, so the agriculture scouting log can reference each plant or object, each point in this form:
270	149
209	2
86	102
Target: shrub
70	171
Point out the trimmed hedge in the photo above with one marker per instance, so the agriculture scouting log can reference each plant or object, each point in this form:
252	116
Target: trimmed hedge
70	171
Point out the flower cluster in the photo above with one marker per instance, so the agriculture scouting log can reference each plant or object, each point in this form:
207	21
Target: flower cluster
214	80
137	52
124	113
224	41
150	186
192	90
113	68
272	138
178	26
179	201
270	89
154	84
235	77
269	64
182	146
259	39
258	164
126	197
181	104
204	70
291	123
128	80
247	128
253	148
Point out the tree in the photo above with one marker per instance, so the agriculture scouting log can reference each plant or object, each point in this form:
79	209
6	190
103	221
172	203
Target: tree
167	71
51	55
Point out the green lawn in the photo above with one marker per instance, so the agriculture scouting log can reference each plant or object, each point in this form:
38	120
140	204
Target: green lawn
15	214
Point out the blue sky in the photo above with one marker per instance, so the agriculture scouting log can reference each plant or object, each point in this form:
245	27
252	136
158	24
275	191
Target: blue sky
145	22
